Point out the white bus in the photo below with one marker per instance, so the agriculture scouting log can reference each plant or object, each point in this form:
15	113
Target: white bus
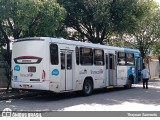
59	65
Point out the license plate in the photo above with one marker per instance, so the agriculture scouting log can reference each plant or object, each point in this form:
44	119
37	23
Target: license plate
26	86
31	69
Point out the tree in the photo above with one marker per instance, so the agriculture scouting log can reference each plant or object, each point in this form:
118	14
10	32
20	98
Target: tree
21	18
124	15
145	31
148	28
24	18
98	20
156	48
89	18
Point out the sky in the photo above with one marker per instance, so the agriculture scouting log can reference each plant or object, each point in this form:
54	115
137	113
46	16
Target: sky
158	1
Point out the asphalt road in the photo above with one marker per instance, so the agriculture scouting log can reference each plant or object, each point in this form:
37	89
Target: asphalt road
119	99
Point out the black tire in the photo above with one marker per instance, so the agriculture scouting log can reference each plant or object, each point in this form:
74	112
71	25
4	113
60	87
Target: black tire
129	84
87	87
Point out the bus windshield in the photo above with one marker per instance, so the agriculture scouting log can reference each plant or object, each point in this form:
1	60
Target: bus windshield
26	52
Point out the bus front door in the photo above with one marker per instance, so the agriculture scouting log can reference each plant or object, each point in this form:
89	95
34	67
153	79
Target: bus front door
112	70
139	64
66	70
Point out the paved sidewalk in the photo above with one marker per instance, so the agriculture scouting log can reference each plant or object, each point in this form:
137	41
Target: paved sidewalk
16	95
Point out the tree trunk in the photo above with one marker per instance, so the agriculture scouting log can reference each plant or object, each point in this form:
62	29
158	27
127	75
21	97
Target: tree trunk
159	67
8	45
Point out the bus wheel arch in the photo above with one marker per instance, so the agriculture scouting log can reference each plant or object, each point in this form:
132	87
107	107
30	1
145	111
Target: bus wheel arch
88	86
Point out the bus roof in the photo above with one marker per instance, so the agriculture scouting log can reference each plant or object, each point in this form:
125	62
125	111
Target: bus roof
78	43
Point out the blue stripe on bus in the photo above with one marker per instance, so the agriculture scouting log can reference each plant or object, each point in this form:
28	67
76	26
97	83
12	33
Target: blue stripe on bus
136	52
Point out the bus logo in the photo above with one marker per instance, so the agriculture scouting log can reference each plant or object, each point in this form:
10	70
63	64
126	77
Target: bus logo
15	78
55	72
17	68
97	72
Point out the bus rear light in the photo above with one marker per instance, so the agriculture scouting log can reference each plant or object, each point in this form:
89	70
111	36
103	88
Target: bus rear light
43	74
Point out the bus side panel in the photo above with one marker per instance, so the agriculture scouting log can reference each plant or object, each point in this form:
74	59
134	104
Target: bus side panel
96	73
54	71
121	75
45	67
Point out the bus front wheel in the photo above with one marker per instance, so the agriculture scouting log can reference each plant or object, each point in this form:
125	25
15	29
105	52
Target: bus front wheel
129	84
87	87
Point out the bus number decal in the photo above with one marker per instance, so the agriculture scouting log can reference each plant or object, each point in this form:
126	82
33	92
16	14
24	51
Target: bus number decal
55	72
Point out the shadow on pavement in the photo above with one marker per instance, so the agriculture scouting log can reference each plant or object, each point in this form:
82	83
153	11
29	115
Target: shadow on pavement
115	96
103	97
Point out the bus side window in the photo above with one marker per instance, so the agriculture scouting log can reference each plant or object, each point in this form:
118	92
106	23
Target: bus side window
62	61
86	56
54	54
111	62
106	61
98	57
69	61
121	58
130	59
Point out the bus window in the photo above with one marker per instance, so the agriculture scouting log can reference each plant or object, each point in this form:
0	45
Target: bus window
86	56
130	59
54	54
106	61
77	55
98	57
111	61
121	58
62	61
69	61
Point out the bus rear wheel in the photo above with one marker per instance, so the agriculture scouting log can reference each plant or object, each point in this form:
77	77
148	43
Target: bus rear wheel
87	87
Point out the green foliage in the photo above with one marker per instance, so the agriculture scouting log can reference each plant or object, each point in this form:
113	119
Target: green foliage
141	30
2	41
24	18
90	18
126	13
6	55
156	48
21	18
147	31
98	20
135	21
48	20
